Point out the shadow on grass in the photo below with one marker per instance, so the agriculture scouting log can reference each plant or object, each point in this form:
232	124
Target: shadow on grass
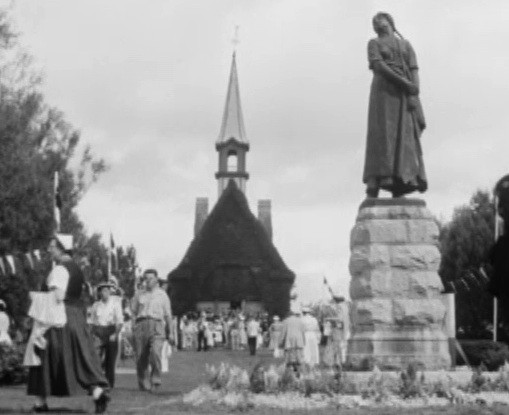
52	410
163	393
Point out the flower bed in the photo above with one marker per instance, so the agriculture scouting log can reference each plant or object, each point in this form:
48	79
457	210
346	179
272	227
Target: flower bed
12	371
318	388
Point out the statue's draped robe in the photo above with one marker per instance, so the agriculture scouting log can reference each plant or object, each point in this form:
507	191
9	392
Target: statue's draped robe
393	151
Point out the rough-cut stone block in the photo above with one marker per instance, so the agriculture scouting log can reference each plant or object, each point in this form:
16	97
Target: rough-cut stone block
395	283
386	231
408	257
394	212
372	311
396	349
425	284
397	315
418	312
415	257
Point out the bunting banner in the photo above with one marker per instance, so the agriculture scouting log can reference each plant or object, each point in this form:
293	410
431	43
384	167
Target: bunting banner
483	275
30	260
10	261
465	284
471	276
10	264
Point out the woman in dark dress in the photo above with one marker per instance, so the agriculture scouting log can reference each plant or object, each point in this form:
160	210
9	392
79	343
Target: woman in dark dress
395	118
69	361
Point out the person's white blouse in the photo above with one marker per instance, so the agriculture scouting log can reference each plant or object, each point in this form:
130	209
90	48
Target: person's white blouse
107	313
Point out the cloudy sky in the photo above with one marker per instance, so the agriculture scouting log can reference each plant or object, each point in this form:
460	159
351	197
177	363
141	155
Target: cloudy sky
145	83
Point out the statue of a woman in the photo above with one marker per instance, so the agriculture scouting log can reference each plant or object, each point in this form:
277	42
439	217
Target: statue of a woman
396	120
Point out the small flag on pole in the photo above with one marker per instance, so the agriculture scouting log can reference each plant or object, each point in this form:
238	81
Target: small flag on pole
37	254
112	243
328	287
112	256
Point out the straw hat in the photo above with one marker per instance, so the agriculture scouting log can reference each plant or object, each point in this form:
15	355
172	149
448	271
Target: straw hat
105	284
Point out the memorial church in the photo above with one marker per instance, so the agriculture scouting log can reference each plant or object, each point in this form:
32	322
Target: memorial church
232	263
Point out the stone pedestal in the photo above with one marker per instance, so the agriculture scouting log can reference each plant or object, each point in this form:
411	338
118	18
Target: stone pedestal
397	316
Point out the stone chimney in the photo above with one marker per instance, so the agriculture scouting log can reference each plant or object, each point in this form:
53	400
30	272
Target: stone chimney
202	211
265	215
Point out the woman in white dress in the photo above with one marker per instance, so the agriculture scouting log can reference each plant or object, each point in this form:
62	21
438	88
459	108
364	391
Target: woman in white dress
311	348
242	332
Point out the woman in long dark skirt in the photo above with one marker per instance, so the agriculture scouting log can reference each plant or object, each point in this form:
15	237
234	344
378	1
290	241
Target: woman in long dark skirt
69	361
394	159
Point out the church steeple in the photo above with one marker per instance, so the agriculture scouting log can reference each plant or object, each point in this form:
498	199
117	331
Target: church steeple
232	144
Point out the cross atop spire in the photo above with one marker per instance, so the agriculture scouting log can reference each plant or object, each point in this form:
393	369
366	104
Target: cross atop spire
233	120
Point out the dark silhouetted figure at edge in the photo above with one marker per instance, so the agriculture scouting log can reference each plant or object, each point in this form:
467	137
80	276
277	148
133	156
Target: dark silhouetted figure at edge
499	254
395	118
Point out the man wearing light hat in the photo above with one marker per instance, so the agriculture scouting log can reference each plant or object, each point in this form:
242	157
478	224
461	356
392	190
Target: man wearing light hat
293	339
106	320
151	311
69	360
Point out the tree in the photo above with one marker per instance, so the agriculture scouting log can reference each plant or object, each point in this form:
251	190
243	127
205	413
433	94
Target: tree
465	243
35	142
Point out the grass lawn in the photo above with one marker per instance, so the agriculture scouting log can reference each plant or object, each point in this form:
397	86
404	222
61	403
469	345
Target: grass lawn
187	370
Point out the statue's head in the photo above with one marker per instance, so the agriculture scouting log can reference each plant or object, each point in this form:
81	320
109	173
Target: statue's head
382	22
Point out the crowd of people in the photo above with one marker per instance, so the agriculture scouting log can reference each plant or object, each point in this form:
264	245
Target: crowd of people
74	345
233	330
299	334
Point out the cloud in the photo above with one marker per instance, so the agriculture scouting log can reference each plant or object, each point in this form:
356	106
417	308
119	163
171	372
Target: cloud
145	83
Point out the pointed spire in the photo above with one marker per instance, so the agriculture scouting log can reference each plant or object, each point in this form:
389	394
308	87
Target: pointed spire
233	121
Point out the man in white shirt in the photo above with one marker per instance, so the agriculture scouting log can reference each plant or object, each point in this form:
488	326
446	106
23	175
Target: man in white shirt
252	329
151	310
107	320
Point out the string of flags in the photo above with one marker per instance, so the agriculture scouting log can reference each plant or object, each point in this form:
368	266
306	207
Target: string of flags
11	264
477	277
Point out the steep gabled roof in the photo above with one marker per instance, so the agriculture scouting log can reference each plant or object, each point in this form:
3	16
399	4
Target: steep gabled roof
233	120
231	236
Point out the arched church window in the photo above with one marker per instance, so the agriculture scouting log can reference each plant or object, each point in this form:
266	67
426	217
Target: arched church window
232	161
